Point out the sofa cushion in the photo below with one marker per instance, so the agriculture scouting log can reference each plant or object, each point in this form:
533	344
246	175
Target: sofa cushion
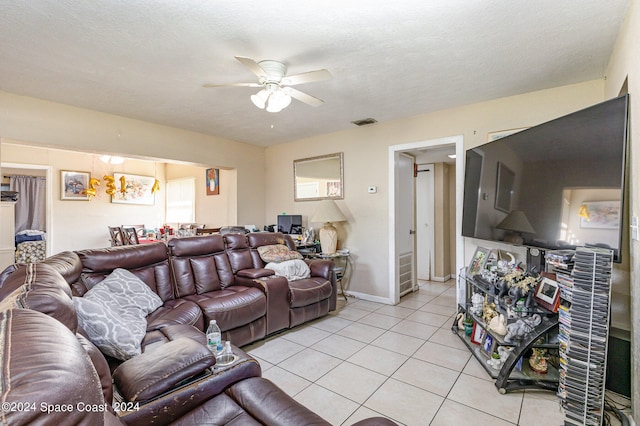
295	269
277	253
43	363
113	313
233	307
39	287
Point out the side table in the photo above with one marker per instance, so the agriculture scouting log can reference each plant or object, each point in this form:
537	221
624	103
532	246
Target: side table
341	266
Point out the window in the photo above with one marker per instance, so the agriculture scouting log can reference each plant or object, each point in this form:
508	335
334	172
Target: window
181	200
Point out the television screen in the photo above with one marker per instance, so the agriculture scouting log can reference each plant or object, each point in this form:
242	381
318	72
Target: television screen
556	185
290	223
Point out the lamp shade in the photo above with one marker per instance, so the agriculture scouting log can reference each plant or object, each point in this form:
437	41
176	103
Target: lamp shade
328	211
516	221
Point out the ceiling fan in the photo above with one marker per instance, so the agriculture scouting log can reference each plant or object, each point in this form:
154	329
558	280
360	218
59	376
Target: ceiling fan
276	92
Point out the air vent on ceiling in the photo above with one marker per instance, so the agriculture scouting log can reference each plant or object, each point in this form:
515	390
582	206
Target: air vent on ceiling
365	121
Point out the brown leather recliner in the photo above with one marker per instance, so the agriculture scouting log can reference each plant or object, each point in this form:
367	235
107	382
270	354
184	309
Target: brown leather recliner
308	298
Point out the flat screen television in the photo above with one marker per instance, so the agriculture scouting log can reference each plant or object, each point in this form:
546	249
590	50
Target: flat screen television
566	178
290	223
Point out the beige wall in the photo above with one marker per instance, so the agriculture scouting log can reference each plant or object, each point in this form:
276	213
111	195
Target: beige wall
625	64
44	123
214	211
366	164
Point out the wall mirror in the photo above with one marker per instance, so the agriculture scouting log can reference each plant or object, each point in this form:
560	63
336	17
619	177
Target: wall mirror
318	178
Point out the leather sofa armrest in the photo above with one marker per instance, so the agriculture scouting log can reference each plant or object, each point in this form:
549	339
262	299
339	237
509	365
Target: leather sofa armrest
155	372
321	268
255	273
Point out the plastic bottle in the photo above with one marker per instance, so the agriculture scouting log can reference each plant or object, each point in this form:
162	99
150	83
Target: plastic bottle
227	349
214	338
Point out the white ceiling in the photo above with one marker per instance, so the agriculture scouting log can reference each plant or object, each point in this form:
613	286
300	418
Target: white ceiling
148	59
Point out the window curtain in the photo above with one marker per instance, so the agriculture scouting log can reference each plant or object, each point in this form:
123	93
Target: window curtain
31	205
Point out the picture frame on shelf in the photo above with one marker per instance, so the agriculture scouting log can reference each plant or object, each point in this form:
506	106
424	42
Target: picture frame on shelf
478	261
548	294
74	185
488	345
477	334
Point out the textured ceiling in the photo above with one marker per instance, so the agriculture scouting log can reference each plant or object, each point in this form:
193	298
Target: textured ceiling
148	59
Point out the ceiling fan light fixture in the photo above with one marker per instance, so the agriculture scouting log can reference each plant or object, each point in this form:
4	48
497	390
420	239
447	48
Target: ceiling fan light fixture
260	98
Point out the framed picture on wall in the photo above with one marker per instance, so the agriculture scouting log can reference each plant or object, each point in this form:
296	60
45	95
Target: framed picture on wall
213	181
74	185
133	189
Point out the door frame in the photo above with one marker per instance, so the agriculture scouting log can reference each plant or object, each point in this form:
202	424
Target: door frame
458	141
49	197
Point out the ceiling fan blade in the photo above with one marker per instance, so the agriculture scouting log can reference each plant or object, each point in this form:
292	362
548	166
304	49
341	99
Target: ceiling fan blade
303	97
233	85
306	77
252	65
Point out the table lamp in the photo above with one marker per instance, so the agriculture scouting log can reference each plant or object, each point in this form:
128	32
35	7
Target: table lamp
515	224
328	212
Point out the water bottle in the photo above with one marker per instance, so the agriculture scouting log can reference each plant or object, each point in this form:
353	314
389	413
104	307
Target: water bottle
214	338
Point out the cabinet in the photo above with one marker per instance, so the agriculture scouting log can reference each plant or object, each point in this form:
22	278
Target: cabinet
7	234
514	373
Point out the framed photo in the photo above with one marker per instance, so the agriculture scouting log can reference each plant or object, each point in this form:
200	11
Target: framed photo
548	294
477	334
213	181
505	180
600	215
133	189
488	345
478	261
74	185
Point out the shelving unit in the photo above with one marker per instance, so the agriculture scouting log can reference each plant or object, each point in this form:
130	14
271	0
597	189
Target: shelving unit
515	373
585	327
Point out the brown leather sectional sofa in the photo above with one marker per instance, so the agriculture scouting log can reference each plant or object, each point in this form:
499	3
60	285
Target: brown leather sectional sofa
47	377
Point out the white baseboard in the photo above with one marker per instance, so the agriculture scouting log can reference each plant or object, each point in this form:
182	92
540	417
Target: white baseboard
370	298
441	279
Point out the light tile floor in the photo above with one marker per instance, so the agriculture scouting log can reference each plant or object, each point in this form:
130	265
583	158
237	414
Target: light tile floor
401	362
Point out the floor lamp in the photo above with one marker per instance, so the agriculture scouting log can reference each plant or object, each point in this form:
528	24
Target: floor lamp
327	213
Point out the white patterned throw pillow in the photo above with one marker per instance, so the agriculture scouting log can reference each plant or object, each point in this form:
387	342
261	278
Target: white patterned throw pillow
113	313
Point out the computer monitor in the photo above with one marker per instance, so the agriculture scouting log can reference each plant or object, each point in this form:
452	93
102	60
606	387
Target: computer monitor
290	223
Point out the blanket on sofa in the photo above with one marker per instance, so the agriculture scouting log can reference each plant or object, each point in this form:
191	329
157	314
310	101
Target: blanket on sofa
295	269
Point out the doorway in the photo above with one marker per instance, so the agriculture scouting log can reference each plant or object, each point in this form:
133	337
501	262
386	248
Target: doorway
37	170
395	199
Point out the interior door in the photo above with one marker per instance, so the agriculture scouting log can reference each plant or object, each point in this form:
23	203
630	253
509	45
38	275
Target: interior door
424	221
405	224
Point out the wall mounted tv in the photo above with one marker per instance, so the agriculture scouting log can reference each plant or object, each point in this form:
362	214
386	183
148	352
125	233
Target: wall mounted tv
566	178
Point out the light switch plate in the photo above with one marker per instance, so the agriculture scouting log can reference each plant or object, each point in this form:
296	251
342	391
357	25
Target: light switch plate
372	189
634	228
